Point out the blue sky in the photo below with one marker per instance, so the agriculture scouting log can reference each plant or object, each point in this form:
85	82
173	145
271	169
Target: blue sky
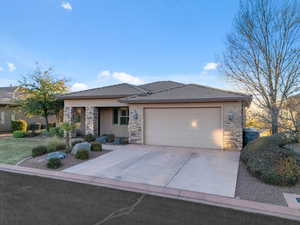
100	42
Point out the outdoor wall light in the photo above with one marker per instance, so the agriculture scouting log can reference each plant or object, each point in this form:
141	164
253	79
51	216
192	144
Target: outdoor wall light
230	116
135	115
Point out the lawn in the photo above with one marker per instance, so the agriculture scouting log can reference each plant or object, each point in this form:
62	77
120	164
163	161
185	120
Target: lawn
12	150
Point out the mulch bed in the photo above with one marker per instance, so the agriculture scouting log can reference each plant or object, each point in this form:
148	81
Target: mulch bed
41	161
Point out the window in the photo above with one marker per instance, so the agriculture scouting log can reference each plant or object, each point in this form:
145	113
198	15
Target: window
120	116
124	116
116	116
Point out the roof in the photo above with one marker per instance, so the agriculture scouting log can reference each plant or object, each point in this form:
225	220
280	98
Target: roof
160	85
159	92
189	93
7	95
113	91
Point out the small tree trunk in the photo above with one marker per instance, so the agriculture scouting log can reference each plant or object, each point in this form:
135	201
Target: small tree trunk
47	122
274	118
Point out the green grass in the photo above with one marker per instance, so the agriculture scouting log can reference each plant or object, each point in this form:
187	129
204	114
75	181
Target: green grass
12	150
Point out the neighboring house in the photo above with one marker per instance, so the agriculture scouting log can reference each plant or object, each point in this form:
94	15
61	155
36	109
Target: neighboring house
161	113
9	112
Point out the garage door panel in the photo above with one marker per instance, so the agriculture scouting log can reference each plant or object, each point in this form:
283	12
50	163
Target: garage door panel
189	127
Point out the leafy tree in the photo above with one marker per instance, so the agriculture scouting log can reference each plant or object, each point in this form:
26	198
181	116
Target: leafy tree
263	54
38	93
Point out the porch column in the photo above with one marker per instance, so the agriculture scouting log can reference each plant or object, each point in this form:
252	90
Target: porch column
68	114
91	120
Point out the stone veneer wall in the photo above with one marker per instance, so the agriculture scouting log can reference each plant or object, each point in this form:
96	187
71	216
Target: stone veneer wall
135	126
232	127
91	118
67	114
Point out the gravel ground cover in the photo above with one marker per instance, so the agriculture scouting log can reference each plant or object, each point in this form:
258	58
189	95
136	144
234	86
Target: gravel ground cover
250	188
41	161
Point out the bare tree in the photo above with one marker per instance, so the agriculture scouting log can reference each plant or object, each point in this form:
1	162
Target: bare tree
263	53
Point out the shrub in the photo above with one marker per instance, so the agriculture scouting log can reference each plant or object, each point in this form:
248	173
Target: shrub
39	150
82	154
89	138
110	137
268	160
56	131
20	125
54	163
19	134
34	127
96	146
55	144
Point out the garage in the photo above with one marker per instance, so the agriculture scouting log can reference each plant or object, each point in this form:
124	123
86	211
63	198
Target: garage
184	127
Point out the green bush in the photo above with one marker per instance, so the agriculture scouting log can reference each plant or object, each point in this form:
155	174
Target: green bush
82	154
55	144
96	146
110	137
20	125
19	134
267	159
54	163
56	131
39	150
89	137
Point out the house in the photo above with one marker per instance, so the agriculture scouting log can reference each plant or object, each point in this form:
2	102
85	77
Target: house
9	112
163	113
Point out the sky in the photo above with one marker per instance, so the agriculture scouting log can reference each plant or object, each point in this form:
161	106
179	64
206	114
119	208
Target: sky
94	43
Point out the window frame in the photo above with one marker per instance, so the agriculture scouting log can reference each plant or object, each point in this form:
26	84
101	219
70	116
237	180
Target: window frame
124	116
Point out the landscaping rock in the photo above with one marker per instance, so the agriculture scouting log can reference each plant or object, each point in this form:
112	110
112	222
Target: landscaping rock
81	146
59	155
102	139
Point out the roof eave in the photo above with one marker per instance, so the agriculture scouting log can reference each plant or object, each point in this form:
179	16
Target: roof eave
202	100
92	97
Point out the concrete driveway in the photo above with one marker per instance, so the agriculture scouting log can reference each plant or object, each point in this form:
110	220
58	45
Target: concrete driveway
199	170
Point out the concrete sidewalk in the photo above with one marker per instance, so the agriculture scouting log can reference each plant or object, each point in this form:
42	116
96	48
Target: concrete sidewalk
207	171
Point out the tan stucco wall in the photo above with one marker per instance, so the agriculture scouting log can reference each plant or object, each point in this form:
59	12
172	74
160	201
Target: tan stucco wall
107	126
232	130
94	103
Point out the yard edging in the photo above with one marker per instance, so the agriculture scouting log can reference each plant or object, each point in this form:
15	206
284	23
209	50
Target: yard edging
197	197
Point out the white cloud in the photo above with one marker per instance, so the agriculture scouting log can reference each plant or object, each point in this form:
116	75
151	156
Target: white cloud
120	76
210	66
105	73
1	69
11	67
66	5
79	87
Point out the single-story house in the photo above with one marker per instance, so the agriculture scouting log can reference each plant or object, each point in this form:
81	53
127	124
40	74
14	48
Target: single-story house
9	112
163	113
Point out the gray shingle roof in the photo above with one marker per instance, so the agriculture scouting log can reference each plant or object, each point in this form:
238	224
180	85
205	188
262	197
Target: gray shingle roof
113	91
160	85
188	93
7	95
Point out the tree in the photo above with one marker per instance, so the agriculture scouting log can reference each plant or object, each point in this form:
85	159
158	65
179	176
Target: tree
38	93
263	55
68	129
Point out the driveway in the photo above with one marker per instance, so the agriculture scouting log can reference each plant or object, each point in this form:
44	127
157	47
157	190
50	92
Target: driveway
208	171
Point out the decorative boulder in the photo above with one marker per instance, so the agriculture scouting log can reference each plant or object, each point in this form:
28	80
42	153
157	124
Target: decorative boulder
102	139
60	155
81	146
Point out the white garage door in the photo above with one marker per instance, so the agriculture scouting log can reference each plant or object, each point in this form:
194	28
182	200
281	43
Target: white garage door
186	127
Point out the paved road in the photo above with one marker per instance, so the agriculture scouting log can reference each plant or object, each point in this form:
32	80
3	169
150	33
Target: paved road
207	171
31	200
